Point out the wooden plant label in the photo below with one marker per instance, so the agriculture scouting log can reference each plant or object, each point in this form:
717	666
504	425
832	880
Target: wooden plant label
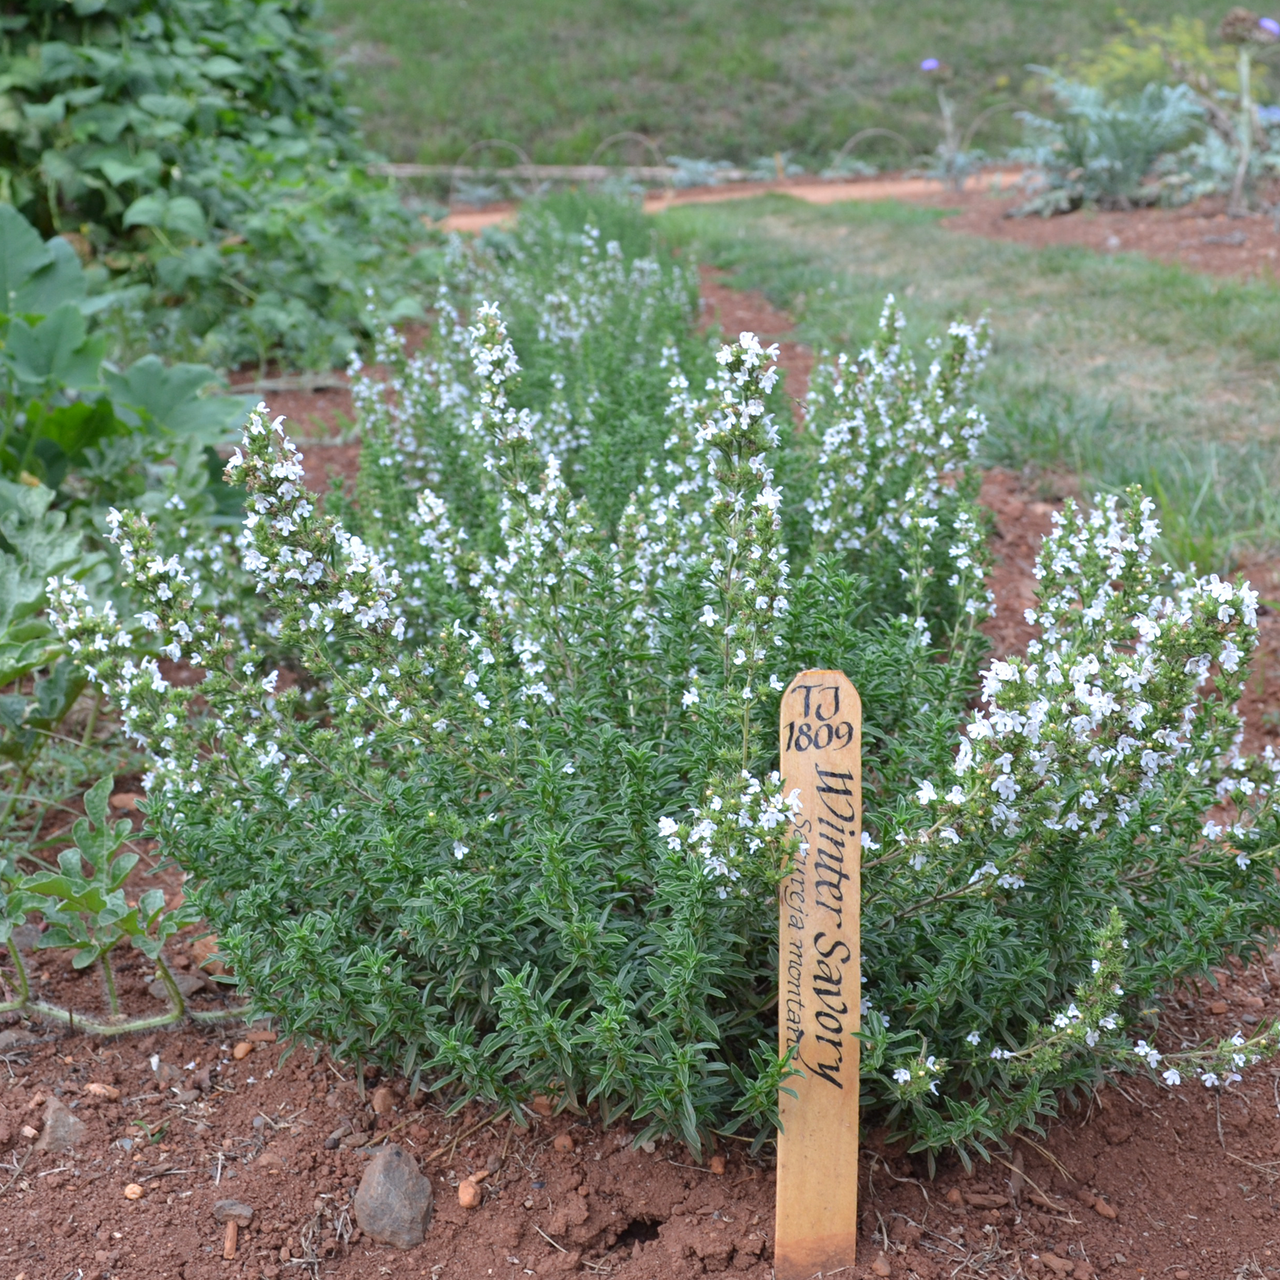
819	979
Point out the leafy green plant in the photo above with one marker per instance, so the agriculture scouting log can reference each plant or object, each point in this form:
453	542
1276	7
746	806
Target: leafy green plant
1102	151
68	418
86	909
199	147
515	828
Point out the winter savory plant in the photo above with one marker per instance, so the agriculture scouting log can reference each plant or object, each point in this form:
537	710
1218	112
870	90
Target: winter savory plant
484	787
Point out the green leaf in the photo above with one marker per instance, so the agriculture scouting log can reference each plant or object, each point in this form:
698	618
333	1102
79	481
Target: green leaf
119	172
169	396
96	800
184	216
22	254
61	281
58	350
45	115
147	211
220	67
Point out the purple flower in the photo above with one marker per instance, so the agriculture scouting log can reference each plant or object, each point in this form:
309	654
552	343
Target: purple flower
1270	25
932	64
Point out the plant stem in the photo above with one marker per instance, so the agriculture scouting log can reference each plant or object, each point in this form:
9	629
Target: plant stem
1244	66
17	792
93	720
24	989
175	995
109	984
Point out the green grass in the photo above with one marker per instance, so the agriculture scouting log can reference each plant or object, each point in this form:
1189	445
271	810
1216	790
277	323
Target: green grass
1114	369
732	79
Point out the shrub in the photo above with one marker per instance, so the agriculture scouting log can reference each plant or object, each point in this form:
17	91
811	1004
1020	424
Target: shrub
200	147
1103	150
73	421
508	821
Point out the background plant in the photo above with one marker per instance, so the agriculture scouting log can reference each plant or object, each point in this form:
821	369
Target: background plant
200	148
1102	151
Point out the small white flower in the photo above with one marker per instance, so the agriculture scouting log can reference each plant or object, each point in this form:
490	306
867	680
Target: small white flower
460	850
927	792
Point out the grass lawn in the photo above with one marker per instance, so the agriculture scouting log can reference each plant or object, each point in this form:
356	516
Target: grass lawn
1114	368
732	79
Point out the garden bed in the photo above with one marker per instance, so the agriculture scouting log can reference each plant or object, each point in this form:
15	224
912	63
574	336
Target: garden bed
1138	1182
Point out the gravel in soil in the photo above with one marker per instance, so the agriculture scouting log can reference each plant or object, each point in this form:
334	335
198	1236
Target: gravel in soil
1137	1181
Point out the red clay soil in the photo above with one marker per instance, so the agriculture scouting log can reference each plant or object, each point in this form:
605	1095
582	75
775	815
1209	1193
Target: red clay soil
1199	236
1138	1181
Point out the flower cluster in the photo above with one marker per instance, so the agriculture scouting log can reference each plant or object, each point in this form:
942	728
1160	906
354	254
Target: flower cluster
893	481
740	831
1127	688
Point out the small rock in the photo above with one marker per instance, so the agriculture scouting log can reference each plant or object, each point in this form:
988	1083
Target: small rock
187	983
1117	1133
61	1130
269	1162
28	1132
1086	1197
107	1092
1218	1006
1182	1275
563	1143
184	1097
233	1211
203	950
15	1038
717	1165
393	1202
468	1194
383	1101
881	1266
1257	1003
262	1036
167	1074
200	1080
981	1200
954	1196
1105	1210
127	800
542	1104
242	1051
133	1192
1059	1266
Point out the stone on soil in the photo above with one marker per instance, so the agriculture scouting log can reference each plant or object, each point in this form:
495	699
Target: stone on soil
187	983
62	1130
393	1202
233	1211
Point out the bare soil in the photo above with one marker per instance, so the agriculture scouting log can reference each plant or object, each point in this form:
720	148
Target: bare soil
1199	236
1137	1181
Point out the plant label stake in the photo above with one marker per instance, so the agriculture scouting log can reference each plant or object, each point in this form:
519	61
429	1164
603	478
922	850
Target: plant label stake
819	978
